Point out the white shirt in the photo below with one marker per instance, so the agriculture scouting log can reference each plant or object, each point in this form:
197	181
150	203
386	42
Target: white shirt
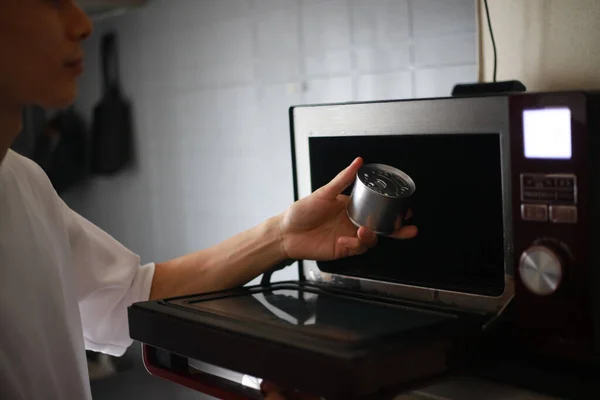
64	287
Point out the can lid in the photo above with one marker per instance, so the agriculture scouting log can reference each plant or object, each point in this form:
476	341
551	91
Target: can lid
386	180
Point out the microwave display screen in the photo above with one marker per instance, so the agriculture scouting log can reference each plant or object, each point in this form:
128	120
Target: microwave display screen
457	208
547	133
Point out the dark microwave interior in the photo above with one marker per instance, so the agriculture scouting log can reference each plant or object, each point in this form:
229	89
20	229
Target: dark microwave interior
457	208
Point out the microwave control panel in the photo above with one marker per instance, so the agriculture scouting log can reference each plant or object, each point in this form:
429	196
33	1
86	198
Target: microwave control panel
549	198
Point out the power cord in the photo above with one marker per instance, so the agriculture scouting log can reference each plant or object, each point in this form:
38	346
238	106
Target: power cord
487	12
266	278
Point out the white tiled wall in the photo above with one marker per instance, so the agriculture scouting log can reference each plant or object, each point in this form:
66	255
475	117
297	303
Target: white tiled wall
211	82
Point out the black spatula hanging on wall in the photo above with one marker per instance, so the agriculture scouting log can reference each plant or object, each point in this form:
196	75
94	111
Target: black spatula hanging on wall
112	121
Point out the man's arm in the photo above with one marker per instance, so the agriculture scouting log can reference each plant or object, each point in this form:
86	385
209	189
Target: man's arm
315	227
228	264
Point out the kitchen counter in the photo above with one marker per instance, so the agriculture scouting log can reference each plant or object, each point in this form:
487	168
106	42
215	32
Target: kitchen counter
472	388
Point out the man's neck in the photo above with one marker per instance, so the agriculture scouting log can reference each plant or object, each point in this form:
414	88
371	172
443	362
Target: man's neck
11	123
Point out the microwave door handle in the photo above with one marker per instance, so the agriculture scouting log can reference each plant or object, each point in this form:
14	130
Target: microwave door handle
200	381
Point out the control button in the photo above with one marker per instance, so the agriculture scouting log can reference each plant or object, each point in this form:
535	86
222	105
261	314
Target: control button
534	212
563	214
549	188
541	269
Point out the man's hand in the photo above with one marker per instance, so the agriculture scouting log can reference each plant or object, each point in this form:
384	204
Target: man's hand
313	228
276	392
318	228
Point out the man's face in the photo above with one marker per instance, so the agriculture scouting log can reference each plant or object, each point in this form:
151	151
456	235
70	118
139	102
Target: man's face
40	51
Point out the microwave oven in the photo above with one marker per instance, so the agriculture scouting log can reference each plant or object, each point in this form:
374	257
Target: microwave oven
506	204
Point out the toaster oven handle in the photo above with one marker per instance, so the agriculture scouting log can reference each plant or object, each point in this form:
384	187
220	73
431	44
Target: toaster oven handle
203	382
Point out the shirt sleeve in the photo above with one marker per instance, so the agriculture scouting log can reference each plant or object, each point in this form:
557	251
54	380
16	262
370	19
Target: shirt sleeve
109	278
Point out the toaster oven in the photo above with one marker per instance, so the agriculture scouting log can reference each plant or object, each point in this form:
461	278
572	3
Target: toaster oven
506	204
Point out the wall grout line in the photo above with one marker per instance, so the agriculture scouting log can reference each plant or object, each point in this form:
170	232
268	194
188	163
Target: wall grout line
411	49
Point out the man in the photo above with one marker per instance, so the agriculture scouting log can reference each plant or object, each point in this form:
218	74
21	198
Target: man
64	283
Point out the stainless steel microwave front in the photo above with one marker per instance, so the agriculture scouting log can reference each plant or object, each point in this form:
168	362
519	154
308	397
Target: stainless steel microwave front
441	116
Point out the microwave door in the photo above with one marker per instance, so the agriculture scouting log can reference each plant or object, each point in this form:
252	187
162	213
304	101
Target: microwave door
328	342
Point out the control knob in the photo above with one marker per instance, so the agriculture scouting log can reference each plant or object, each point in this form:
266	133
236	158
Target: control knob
541	268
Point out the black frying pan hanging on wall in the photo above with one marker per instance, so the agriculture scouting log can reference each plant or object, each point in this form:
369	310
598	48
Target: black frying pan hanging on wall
61	149
112	121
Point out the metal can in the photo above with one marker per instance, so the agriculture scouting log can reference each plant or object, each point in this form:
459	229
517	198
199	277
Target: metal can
379	198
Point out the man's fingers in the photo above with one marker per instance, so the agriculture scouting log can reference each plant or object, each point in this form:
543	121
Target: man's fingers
397	223
353	246
290	396
342	180
270	387
273	391
274	396
406	232
369	238
366	239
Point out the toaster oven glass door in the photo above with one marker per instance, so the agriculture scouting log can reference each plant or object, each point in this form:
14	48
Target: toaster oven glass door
325	341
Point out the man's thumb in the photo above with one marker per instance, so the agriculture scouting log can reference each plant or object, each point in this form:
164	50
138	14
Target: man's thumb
342	180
